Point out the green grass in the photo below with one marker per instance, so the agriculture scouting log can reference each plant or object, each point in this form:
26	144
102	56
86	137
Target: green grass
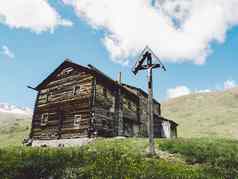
124	158
218	157
205	115
13	129
14	139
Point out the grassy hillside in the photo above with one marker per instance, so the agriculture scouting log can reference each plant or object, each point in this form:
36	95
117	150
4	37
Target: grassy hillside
13	128
205	114
124	158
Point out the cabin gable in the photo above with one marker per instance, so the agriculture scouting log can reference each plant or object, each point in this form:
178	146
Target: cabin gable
63	104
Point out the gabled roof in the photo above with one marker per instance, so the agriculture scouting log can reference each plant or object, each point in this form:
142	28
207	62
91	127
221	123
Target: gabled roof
165	119
90	69
66	63
139	90
94	71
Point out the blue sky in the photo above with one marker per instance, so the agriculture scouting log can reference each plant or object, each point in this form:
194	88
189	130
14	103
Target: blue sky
32	55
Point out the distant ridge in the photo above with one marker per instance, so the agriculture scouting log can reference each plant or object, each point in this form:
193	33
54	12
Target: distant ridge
12	109
14	124
213	114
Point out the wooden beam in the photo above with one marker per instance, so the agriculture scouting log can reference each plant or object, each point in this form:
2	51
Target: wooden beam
31	88
120	110
150	113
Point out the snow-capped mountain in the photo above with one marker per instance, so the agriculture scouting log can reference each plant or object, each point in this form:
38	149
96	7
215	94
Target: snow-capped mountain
8	108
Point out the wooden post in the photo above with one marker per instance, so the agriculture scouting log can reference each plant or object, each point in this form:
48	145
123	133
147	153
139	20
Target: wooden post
146	56
60	114
92	129
120	112
150	113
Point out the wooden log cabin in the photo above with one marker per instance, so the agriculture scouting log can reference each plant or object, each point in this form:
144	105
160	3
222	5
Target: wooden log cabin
76	102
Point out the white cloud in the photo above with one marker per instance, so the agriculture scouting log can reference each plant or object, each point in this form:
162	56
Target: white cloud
36	15
133	24
6	51
177	30
7	108
184	90
203	91
229	84
178	91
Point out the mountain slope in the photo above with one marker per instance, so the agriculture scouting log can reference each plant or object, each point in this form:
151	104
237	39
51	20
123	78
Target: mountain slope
205	114
14	124
11	109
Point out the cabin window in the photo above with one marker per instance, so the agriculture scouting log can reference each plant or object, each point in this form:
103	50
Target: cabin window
77	119
44	98
93	114
108	114
104	123
76	90
49	96
105	92
44	119
129	105
66	71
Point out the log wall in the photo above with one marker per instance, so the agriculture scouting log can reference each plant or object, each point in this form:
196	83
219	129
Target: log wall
104	110
61	99
130	110
143	109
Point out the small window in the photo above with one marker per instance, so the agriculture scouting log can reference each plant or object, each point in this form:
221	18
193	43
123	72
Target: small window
44	119
49	96
77	119
44	97
129	105
105	92
104	123
66	71
76	90
108	114
93	114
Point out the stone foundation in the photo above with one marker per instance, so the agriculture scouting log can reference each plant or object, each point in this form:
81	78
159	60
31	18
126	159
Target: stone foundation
61	142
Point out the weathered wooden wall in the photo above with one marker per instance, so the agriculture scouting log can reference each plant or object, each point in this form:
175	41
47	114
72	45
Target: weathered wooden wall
65	96
131	121
104	110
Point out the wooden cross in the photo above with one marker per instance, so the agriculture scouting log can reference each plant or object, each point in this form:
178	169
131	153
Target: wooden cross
145	62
